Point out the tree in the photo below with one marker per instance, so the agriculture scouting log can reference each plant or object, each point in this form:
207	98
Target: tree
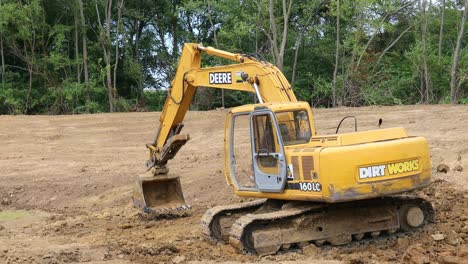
425	93
275	38
456	58
77	49
337	51
2	51
84	41
215	39
29	22
441	30
71	57
105	39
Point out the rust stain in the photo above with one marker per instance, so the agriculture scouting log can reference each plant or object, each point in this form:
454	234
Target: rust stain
377	189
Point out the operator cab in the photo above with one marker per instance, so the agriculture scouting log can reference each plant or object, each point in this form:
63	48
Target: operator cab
256	138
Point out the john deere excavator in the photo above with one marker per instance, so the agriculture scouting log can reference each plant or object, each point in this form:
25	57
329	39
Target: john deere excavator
312	188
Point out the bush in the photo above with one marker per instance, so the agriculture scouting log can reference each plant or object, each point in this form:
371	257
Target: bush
123	105
154	99
11	100
90	107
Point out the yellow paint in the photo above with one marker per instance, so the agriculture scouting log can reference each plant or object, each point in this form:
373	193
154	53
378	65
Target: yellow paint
338	158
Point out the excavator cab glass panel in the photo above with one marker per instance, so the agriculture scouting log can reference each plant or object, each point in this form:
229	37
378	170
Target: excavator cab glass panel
268	152
265	143
241	155
294	127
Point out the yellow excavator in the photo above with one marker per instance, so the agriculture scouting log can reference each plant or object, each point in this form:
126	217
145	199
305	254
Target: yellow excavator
311	188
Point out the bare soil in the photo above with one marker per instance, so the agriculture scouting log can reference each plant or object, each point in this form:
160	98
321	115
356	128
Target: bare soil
65	187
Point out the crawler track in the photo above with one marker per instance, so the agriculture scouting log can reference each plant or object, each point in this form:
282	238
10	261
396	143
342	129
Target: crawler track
217	221
258	227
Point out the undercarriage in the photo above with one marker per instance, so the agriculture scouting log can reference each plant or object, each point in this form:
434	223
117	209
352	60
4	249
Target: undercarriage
267	226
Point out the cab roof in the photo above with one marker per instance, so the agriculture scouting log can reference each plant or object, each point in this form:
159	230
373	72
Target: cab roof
275	107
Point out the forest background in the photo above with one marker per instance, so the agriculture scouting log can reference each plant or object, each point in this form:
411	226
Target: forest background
87	56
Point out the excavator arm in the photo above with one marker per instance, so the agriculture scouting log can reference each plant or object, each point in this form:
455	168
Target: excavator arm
161	192
248	74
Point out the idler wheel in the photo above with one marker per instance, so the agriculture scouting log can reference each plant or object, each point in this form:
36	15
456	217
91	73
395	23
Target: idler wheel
411	217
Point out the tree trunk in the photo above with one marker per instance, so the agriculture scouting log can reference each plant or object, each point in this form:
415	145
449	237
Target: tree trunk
298	45
137	39
77	51
28	98
29	63
215	38
286	13
258	25
344	78
110	93
274	31
106	50
421	85
427	87
456	58
175	35
139	31
85	44
441	31
107	55
296	54
2	56
279	52
337	52
117	33
3	59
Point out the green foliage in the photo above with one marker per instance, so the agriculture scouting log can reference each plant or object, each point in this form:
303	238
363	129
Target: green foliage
321	92
123	105
11	100
154	99
89	107
74	97
464	100
380	52
58	58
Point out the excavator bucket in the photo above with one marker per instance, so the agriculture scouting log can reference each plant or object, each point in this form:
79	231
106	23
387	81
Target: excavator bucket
157	192
160	194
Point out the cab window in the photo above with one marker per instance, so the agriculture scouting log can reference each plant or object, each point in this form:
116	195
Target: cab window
265	140
294	127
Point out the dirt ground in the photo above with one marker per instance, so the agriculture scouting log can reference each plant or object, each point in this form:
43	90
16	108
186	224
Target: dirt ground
65	187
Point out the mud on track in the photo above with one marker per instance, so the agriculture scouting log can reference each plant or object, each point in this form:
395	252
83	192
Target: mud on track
65	184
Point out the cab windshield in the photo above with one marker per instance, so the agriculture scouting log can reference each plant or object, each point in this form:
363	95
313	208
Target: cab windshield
294	127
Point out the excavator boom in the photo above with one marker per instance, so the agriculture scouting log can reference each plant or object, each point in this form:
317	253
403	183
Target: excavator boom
160	191
245	75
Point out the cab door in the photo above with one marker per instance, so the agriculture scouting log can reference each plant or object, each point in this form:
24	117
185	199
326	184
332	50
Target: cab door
269	162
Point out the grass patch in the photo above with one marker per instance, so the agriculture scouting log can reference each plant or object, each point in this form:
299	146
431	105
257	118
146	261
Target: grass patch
13	215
